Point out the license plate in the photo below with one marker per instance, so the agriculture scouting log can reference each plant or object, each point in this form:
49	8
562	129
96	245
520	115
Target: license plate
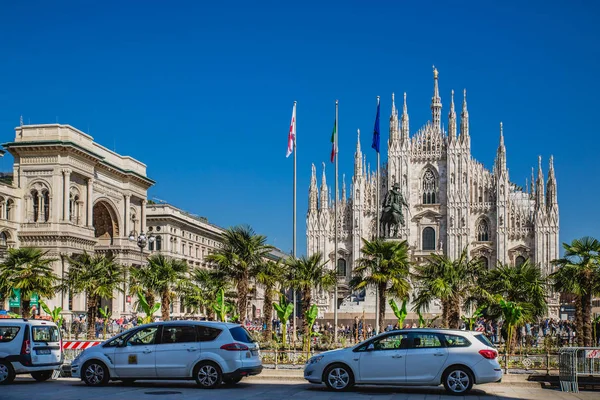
42	352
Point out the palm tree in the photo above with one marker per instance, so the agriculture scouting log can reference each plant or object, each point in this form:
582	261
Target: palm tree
269	274
28	269
306	274
162	276
452	282
241	252
200	292
521	284
385	265
579	274
98	276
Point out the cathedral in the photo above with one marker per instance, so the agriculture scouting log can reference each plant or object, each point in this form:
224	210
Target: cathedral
449	202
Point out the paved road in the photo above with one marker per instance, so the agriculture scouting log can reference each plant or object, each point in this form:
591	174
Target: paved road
72	389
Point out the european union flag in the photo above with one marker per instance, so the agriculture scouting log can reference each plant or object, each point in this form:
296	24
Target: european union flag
376	135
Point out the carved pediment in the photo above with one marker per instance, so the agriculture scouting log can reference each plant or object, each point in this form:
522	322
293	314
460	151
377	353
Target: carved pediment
428	216
484	250
520	250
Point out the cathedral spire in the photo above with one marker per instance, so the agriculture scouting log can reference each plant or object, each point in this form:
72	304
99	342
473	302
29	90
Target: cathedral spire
324	191
501	154
539	190
313	192
393	123
405	125
436	103
464	119
551	185
532	185
358	158
343	188
452	120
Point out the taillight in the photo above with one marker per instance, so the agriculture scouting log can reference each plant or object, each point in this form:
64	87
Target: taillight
234	347
26	347
489	354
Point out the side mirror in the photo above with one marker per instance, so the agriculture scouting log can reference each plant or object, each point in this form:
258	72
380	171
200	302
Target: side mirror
370	347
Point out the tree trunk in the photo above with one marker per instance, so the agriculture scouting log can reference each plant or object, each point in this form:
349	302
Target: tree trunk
454	314
149	296
306	298
382	304
578	321
586	317
445	314
165	305
268	312
26	308
242	303
92	306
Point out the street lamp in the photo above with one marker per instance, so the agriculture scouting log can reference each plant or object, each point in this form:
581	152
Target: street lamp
142	240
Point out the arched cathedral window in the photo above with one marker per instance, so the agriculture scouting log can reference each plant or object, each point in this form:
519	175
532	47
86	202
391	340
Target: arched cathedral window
520	260
484	262
428	238
482	231
341	267
429	187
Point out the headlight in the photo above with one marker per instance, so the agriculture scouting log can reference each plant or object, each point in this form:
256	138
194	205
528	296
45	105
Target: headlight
315	359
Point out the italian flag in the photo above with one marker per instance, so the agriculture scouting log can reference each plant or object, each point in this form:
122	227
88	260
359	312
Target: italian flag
333	149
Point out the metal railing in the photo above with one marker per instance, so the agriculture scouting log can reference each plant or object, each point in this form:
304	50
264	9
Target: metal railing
577	362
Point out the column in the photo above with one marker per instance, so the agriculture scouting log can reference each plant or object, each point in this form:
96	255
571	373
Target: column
40	216
66	184
126	220
143	216
90	202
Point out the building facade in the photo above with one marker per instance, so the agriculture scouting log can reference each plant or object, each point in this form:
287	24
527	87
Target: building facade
452	202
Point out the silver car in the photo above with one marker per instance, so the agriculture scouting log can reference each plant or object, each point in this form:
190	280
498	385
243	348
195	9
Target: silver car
209	352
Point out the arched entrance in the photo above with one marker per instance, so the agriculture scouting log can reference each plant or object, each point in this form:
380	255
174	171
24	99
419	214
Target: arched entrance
106	225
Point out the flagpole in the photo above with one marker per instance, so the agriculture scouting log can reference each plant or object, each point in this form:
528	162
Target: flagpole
294	228
335	227
377	234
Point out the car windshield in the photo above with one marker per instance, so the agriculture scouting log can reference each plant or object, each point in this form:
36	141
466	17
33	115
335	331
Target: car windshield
45	333
241	334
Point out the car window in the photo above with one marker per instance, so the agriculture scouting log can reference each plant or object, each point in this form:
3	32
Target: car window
483	339
45	333
207	333
178	334
117	341
456	341
391	342
425	340
240	334
143	337
8	333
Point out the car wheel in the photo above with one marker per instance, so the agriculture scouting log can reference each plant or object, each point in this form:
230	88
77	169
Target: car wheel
128	381
458	380
208	375
7	373
232	381
339	377
41	376
95	373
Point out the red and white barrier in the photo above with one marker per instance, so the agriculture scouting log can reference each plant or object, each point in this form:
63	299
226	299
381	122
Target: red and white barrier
80	344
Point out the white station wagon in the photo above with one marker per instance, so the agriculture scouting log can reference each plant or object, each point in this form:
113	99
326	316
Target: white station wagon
412	357
209	352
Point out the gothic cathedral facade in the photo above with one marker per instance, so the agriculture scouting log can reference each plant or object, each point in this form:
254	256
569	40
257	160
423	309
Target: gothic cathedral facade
453	203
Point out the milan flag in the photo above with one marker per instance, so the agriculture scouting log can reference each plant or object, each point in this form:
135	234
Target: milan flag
292	134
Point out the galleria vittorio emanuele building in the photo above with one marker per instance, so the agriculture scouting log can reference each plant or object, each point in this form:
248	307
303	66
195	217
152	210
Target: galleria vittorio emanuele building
449	201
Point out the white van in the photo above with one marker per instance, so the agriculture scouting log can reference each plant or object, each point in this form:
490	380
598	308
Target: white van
29	346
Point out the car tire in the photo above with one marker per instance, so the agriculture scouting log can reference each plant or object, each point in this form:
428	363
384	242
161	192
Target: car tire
95	373
232	381
208	375
128	381
458	380
41	376
7	373
338	377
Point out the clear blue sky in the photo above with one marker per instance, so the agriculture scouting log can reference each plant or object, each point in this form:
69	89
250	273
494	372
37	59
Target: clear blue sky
202	92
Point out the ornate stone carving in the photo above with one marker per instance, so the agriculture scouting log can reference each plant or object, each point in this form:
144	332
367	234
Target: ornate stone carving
39	160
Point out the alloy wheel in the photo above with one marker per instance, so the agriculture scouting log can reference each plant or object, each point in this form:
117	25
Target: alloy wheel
338	378
94	374
3	372
208	375
458	381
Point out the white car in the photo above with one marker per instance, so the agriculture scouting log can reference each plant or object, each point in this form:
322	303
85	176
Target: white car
209	352
29	346
412	357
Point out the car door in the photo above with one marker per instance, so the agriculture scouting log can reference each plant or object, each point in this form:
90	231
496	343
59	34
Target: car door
45	344
425	357
383	359
176	351
136	358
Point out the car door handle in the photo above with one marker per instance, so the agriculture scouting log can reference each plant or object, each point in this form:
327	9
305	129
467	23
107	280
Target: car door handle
396	356
192	349
439	354
147	351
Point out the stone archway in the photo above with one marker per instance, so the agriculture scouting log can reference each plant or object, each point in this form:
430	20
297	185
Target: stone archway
106	224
